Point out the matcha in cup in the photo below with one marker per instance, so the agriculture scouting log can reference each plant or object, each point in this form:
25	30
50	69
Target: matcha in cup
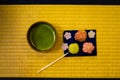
41	36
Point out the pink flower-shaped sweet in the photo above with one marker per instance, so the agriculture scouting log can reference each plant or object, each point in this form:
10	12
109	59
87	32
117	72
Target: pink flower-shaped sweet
64	46
88	47
91	34
67	35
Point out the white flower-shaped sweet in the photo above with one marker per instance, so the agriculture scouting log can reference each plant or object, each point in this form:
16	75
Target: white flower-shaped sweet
64	46
91	34
67	35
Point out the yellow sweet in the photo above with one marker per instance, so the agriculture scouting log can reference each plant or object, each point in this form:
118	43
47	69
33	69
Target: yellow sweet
73	48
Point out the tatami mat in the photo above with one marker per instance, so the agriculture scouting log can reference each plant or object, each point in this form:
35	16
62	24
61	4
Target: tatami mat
18	59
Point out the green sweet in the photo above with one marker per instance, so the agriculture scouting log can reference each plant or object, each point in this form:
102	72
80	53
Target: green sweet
73	48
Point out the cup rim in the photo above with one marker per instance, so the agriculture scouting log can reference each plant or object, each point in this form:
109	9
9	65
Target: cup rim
29	31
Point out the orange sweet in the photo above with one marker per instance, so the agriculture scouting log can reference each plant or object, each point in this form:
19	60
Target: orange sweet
80	36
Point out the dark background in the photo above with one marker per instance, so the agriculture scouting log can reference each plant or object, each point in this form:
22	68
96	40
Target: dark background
90	2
